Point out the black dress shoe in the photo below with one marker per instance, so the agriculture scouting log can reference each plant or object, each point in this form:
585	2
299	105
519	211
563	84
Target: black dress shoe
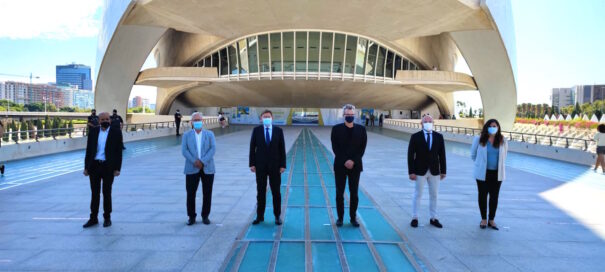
107	223
257	221
278	221
492	226
191	221
414	223
436	223
339	222
206	221
90	223
354	222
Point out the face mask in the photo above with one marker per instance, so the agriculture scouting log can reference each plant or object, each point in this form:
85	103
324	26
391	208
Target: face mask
349	119
267	121
492	130
104	124
198	125
427	126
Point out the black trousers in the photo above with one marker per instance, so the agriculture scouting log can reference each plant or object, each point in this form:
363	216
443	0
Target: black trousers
178	126
340	177
491	187
261	193
193	182
100	174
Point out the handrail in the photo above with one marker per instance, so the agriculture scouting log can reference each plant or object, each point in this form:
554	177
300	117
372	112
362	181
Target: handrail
509	135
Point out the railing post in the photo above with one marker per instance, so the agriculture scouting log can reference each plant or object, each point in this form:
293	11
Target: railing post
550	140
566	142
585	145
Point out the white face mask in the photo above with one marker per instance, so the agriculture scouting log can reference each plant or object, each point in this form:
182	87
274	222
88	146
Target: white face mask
427	126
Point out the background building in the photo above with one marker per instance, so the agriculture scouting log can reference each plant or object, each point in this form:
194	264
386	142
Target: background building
563	97
83	99
25	93
74	74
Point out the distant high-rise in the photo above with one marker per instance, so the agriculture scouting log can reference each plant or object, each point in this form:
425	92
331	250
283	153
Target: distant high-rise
74	74
589	93
563	97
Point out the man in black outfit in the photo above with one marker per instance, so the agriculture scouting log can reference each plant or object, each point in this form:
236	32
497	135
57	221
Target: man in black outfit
103	161
267	158
426	164
117	122
348	144
177	121
93	120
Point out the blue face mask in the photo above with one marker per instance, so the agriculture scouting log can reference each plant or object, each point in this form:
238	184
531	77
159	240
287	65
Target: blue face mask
198	125
349	119
267	121
492	130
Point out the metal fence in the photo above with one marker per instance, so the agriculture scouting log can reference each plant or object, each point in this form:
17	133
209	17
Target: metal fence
550	140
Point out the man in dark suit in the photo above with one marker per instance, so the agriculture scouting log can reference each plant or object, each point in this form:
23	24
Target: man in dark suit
177	121
426	164
267	158
348	144
103	162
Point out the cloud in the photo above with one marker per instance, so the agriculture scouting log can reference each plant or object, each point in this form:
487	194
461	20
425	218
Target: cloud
56	19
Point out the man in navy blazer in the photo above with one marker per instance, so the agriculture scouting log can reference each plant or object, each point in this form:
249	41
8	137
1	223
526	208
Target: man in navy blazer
267	158
198	148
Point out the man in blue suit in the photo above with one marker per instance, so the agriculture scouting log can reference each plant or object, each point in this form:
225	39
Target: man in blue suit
198	148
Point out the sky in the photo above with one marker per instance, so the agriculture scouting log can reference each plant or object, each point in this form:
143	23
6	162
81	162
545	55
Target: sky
560	43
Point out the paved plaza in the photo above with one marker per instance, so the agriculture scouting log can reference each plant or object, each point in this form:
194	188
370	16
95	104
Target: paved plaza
550	213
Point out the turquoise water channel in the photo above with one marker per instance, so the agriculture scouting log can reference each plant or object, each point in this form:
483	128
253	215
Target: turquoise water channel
309	239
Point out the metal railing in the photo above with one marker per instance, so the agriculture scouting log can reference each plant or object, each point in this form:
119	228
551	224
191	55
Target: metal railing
532	138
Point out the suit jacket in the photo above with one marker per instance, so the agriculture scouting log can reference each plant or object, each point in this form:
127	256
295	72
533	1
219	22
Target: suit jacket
189	150
113	148
267	159
340	146
421	159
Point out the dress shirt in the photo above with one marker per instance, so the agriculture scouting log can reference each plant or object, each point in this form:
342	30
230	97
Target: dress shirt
101	144
198	142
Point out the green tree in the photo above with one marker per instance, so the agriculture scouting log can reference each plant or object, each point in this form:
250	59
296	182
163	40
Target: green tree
71	126
24	128
15	129
47	126
470	113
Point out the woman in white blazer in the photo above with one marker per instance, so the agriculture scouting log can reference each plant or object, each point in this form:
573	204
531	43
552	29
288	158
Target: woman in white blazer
489	153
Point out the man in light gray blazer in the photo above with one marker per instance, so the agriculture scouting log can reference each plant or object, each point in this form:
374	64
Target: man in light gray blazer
198	148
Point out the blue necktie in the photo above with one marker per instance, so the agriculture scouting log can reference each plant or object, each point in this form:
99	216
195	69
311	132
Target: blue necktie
267	137
428	140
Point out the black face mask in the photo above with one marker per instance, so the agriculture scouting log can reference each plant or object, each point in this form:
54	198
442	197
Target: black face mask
104	124
115	113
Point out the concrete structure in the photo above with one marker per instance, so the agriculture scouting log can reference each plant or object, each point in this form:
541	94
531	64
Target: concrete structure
74	74
317	54
563	97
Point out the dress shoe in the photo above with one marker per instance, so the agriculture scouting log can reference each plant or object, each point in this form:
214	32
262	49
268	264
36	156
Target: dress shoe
492	226
278	221
206	221
414	223
107	223
339	222
354	222
436	223
257	221
191	221
91	222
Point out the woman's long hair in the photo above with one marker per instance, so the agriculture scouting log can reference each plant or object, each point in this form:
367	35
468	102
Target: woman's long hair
485	135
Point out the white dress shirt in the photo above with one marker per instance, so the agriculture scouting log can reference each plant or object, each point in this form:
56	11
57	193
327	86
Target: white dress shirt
270	132
425	138
101	144
198	141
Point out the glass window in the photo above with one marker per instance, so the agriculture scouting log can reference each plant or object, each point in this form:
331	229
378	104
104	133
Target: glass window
207	61
362	48
326	51
412	66
252	57
263	51
288	51
242	48
388	72
313	51
406	64
301	51
275	52
380	63
232	59
398	62
350	54
224	64
371	63
339	53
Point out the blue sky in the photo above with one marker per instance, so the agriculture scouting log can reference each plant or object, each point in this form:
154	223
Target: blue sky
560	43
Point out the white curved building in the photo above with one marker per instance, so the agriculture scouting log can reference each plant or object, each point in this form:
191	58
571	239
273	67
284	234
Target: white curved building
320	54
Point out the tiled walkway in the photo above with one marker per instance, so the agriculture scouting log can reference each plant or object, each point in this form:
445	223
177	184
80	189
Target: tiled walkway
309	239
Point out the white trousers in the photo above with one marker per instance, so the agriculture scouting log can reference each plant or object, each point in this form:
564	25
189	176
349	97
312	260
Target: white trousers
433	182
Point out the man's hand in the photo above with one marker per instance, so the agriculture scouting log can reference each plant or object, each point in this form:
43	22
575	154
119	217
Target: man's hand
349	164
85	172
282	170
253	169
198	164
412	176
442	176
116	173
